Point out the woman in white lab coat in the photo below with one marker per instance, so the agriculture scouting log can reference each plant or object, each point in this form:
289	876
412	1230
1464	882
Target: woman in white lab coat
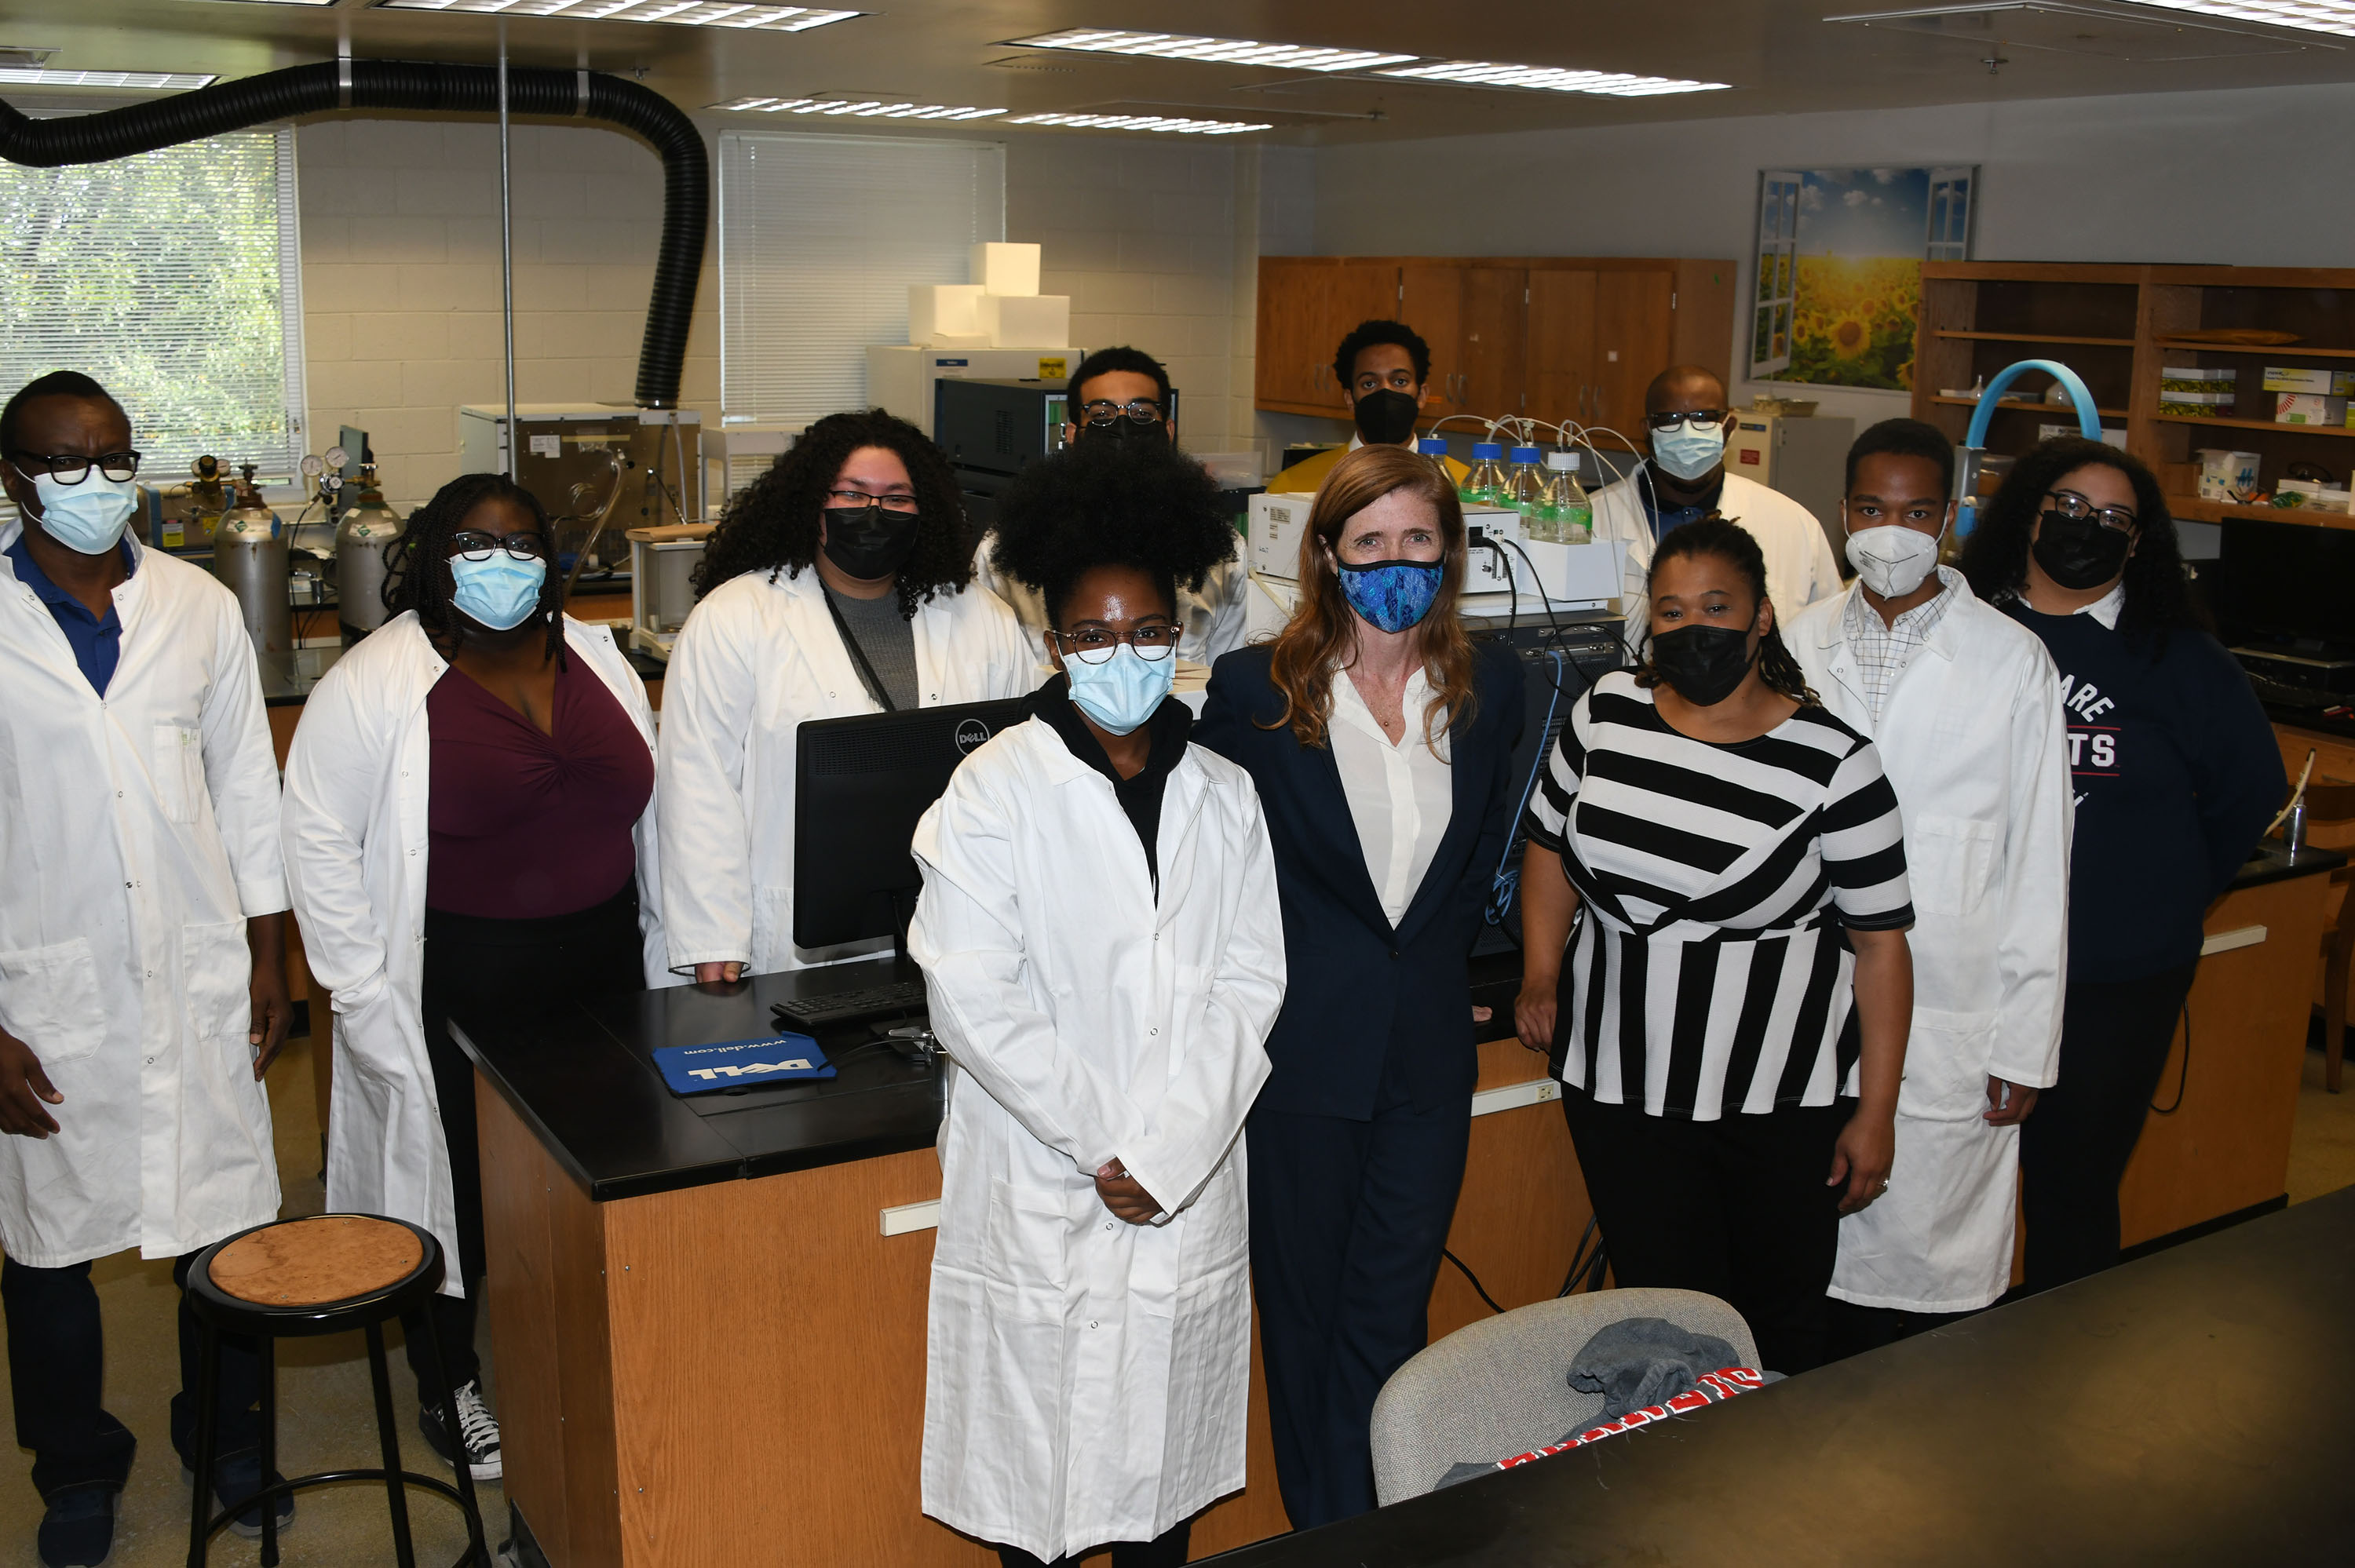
840	582
1100	932
469	823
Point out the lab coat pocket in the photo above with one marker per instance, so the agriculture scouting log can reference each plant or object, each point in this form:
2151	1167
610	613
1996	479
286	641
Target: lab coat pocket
1026	1251
216	977
1947	1057
1950	864
176	758
50	999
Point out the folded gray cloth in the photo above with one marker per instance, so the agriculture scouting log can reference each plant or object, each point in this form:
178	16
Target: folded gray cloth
1639	1362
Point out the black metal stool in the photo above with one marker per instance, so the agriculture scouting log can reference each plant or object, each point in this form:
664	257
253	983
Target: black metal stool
293	1278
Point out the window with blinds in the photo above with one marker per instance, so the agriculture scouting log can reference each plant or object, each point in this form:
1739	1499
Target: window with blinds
173	278
819	239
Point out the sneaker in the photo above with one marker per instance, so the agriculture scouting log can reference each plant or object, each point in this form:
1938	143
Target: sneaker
478	1430
78	1530
237	1476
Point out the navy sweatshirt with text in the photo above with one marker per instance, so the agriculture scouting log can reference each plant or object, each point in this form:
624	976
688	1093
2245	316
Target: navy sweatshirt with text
2175	773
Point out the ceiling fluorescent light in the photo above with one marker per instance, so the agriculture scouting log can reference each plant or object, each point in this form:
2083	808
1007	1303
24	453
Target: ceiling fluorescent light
682	12
1551	78
2307	15
136	80
1140	123
289	1
1216	51
864	108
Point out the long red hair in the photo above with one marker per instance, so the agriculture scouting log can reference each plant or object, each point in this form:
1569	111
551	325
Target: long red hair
1322	635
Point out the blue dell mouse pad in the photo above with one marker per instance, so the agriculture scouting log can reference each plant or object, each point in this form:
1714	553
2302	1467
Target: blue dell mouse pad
741	1064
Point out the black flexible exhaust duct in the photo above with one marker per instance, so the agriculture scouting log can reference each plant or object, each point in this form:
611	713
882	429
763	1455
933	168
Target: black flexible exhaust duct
342	85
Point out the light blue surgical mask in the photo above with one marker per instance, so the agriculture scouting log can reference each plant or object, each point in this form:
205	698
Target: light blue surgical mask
500	592
1123	691
1687	453
89	516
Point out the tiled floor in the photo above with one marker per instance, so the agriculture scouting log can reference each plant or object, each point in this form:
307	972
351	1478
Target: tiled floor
328	1417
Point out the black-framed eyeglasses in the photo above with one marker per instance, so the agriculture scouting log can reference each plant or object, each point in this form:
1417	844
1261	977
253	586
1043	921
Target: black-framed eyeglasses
1154	641
1701	419
2076	508
897	500
1104	411
477	545
72	468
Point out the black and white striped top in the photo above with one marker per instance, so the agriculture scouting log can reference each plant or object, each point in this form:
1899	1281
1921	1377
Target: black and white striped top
1709	974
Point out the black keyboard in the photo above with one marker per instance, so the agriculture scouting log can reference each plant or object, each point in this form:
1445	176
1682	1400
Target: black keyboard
2282	694
850	1006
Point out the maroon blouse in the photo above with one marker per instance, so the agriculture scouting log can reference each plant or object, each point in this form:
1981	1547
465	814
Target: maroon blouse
523	825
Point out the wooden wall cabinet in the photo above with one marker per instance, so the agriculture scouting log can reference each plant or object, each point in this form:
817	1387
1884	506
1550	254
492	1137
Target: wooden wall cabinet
2118	327
1554	337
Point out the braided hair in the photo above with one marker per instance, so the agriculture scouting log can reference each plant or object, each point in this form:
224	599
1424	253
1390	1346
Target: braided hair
417	572
1732	543
772	525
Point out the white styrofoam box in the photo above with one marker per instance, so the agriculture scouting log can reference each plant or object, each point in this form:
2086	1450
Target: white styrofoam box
938	309
1005	269
1036	319
901	377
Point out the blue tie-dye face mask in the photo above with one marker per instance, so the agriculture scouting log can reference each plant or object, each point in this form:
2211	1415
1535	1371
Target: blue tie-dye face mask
1391	595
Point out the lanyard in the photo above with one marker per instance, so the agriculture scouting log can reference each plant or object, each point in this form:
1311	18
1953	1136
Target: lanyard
867	676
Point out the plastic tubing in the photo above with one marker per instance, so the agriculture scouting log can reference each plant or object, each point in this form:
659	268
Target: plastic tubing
338	86
2089	415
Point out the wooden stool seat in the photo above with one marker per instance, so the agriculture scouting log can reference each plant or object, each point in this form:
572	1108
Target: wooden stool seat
313	1262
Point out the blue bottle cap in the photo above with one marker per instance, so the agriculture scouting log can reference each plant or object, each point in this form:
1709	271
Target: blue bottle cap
1527	454
1487	450
1431	446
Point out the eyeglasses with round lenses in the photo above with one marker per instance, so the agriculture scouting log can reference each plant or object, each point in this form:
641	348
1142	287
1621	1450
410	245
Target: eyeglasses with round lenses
1104	411
896	501
2076	508
1154	641
72	468
1700	421
477	545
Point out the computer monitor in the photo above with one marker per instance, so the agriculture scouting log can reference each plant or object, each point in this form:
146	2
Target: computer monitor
862	785
2287	581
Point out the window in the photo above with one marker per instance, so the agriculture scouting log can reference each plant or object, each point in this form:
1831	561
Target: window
1777	272
174	279
819	239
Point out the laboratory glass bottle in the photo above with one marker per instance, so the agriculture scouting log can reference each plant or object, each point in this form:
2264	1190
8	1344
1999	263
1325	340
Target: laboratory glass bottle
1574	511
1433	449
1485	486
1525	482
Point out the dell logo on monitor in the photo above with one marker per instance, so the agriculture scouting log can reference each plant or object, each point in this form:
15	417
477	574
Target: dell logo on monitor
970	732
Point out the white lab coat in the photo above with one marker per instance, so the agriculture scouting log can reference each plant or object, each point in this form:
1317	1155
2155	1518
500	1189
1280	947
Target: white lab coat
138	833
1087	1380
1209	619
358	778
1800	567
1972	738
755	659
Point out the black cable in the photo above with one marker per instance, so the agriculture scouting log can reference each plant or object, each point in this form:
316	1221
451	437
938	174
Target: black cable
1475	1279
2183	1079
1543	598
1577	1258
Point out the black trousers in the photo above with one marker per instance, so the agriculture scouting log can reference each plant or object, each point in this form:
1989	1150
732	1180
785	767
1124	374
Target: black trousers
1166	1549
1347	1221
480	970
1735	1207
2073	1148
56	1371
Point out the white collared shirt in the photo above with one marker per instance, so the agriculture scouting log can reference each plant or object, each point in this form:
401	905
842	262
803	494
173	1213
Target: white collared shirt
2105	608
1400	796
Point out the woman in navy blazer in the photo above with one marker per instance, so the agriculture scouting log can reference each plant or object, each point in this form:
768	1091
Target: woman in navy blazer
1380	738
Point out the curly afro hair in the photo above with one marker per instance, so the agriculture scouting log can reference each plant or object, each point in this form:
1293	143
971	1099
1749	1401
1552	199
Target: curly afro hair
771	526
1098	504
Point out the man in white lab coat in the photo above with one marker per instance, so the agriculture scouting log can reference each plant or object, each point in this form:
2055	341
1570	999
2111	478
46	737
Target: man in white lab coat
1687	418
1962	703
143	983
1123	396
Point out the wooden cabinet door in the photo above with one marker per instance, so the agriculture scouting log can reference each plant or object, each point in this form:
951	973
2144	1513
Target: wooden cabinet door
1632	333
1430	301
1359	291
1496	339
1560	377
1291	290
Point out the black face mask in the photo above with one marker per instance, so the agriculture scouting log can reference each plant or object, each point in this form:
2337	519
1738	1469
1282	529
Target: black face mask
868	542
1386	418
1704	664
2078	552
1124	431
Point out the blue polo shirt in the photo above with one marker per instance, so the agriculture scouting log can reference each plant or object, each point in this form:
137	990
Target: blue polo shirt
1667	519
97	641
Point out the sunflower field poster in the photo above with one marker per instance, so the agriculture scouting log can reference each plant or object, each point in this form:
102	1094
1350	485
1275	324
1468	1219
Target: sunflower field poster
1839	270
